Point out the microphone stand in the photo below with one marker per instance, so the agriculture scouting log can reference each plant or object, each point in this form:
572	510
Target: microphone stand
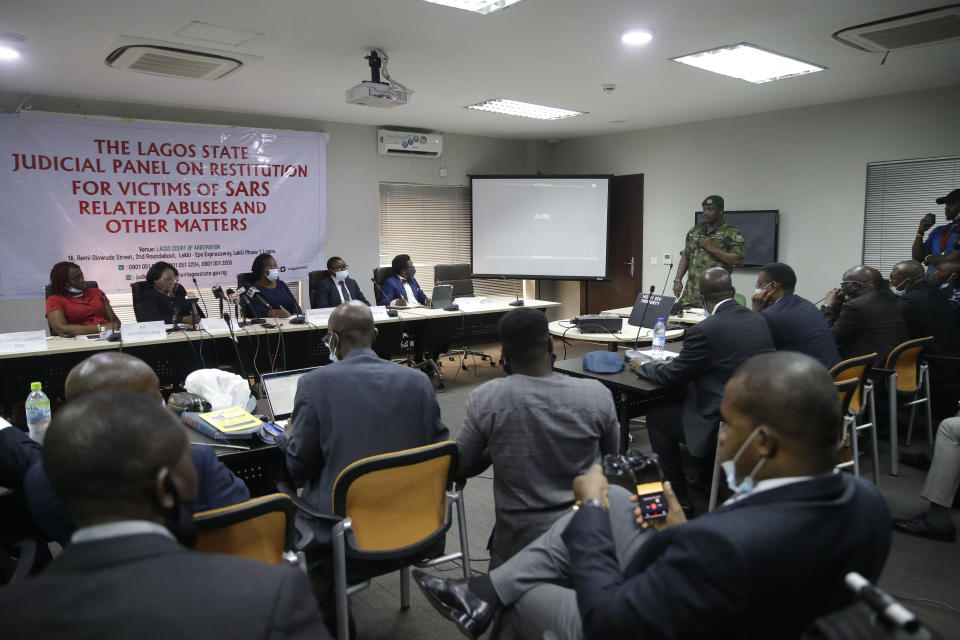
516	303
236	350
206	311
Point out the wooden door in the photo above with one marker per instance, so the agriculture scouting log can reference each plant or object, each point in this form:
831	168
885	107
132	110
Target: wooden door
625	244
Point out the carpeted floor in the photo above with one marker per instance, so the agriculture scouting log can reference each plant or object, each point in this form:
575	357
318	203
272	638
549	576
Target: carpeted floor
916	567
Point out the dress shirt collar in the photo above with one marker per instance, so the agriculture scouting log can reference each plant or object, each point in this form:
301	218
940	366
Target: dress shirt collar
768	484
118	529
719	304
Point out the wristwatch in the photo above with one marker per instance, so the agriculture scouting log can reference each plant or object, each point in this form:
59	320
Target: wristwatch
677	280
590	502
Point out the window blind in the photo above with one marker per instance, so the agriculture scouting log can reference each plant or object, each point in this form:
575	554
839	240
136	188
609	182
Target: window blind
431	223
899	194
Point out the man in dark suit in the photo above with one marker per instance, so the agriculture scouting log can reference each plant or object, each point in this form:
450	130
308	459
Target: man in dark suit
795	324
336	287
712	351
122	464
217	487
863	315
356	407
401	289
763	565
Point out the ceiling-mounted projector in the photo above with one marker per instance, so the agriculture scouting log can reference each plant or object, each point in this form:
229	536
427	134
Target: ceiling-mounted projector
373	92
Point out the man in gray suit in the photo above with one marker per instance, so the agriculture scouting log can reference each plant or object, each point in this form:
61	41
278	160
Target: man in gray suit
356	407
539	430
122	465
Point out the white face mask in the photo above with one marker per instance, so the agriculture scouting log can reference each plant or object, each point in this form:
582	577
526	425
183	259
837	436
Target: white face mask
341	275
333	347
897	292
745	487
273	275
74	290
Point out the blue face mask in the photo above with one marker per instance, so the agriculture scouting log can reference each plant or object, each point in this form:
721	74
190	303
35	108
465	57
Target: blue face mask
745	486
341	275
411	271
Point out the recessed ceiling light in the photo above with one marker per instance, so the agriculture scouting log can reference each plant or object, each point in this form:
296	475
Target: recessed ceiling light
8	53
482	7
636	37
749	63
524	109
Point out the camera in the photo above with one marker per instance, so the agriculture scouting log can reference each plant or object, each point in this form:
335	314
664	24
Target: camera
640	474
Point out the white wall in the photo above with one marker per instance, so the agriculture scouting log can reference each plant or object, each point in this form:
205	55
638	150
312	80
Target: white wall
354	172
809	163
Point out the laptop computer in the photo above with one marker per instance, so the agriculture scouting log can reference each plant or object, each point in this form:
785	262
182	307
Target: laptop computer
442	296
647	308
279	389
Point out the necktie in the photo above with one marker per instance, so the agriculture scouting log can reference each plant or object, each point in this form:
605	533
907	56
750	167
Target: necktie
344	292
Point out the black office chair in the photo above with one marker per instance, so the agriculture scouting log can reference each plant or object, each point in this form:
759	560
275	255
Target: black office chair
460	277
380	275
314	278
136	290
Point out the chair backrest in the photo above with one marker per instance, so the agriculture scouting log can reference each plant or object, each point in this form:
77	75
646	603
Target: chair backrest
259	529
846	389
905	360
854	369
396	500
380	275
313	281
243	279
457	275
136	290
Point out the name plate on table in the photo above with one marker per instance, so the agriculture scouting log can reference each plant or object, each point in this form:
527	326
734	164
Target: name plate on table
143	331
379	313
23	341
318	316
218	326
473	304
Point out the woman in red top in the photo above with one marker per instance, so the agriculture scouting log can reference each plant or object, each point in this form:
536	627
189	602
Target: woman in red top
72	307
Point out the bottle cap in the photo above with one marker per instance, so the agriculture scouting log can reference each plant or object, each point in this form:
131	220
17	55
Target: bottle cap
659	319
35	386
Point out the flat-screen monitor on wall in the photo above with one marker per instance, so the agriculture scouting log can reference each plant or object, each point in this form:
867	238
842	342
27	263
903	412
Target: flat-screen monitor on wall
540	226
759	229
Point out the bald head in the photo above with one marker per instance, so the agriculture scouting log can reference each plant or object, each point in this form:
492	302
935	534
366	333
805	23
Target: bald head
867	276
112	371
715	285
352	322
792	394
947	273
904	275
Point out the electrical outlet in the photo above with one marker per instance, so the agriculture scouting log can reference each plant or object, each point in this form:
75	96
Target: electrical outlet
667	258
653	259
443	172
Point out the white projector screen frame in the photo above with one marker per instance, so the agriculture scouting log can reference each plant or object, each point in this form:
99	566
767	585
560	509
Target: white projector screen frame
560	237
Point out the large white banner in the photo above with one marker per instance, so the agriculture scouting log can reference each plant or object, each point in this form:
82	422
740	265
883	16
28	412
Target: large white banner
116	197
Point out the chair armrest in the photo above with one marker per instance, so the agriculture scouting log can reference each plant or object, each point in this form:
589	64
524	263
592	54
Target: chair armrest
306	507
885	372
304	534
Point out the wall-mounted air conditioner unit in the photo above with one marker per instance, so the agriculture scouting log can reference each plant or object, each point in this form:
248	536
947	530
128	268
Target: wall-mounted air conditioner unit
406	143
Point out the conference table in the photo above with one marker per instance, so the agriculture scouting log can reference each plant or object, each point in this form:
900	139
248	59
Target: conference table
628	334
275	346
632	394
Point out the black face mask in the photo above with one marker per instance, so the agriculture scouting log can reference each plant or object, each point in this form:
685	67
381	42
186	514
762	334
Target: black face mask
179	517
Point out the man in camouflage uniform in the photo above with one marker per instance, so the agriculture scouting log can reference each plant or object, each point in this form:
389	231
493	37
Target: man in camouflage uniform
711	244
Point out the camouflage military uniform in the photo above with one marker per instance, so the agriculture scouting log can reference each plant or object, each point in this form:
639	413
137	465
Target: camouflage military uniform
726	237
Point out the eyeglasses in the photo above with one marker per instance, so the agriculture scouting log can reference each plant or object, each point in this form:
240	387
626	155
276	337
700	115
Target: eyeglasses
856	282
170	279
343	268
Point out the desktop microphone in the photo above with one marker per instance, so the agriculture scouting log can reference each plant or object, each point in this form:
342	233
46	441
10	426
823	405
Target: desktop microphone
252	293
669	271
630	354
236	349
233	298
218	294
516	303
206	311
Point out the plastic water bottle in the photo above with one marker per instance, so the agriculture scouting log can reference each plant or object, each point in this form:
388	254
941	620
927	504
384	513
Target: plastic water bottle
38	412
659	338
